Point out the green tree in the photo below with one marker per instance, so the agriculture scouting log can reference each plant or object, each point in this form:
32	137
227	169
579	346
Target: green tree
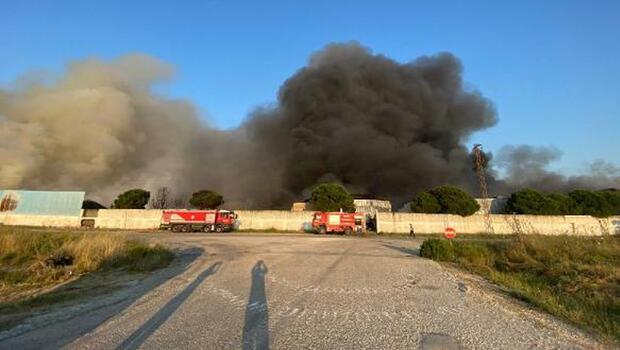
206	199
613	198
579	202
531	202
593	203
453	200
132	199
331	197
562	204
424	202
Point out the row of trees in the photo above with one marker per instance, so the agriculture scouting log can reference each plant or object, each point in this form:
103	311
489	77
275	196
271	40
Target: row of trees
139	198
579	202
452	200
443	199
325	197
439	200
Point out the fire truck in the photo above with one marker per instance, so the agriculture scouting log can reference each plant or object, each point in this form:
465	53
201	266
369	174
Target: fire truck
198	220
338	222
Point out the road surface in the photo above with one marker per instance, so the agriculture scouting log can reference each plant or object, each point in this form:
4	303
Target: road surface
297	291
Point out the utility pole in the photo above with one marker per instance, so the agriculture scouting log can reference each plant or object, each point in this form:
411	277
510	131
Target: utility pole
482	180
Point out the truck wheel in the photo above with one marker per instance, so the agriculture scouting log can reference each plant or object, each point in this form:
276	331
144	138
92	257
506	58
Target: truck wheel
348	231
186	228
207	228
322	230
219	228
176	228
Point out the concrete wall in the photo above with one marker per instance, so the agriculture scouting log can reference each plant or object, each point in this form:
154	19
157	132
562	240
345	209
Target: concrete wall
503	224
39	220
134	219
276	219
138	219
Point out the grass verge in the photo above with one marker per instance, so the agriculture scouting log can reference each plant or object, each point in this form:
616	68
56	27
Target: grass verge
575	278
33	260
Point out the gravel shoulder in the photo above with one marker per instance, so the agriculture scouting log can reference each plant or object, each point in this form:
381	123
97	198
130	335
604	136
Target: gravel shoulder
298	291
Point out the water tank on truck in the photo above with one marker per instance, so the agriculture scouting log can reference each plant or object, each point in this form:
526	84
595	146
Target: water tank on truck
198	220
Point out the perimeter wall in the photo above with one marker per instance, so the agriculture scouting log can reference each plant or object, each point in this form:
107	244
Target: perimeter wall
147	219
248	219
39	220
501	224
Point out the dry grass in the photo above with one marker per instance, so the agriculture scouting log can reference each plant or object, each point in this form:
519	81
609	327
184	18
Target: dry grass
576	278
33	259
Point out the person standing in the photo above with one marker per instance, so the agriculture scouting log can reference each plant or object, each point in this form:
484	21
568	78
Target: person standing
411	231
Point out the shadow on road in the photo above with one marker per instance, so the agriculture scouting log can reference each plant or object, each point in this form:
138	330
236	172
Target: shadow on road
139	336
256	326
408	251
66	328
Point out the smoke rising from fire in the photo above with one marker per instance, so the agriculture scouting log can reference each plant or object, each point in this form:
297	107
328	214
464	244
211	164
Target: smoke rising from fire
98	128
527	166
376	125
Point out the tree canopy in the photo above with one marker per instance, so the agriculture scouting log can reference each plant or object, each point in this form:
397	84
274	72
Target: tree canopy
331	197
445	200
453	200
578	202
595	203
532	202
132	199
424	202
206	199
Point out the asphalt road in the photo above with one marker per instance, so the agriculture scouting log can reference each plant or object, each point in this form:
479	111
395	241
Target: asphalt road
298	291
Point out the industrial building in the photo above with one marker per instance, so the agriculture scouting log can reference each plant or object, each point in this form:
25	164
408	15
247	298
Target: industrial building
363	204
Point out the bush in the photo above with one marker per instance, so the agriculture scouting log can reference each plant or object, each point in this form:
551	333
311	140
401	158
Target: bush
437	249
206	199
132	199
424	202
453	200
331	197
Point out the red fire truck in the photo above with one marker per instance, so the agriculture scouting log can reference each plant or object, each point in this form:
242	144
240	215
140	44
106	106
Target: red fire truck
338	222
198	220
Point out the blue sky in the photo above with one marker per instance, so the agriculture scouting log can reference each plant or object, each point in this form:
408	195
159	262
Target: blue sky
551	67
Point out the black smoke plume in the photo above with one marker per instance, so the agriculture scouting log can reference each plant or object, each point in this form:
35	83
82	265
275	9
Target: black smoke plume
373	124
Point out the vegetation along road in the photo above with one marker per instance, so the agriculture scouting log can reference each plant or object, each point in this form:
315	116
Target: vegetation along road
255	291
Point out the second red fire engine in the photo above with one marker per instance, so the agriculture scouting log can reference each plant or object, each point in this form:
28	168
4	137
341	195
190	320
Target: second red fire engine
338	222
